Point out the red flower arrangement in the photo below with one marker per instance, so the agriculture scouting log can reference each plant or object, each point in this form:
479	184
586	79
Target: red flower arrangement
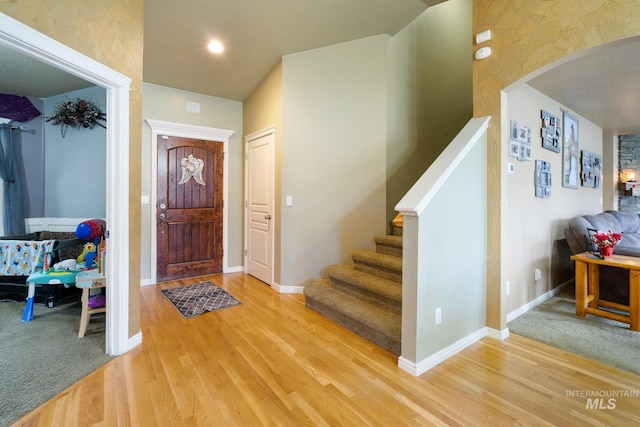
604	240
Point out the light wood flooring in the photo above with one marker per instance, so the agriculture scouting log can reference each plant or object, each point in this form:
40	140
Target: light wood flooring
271	361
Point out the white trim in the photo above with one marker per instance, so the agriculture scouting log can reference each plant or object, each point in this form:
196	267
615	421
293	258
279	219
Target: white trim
271	130
288	289
135	340
146	282
21	38
52	224
182	130
497	334
531	304
419	368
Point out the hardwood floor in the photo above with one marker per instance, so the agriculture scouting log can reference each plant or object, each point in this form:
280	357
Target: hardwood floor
271	361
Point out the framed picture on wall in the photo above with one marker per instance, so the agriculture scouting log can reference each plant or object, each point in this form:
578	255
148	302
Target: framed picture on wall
570	151
550	131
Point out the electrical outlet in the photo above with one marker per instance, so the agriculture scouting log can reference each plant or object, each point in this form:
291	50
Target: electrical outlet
537	274
438	315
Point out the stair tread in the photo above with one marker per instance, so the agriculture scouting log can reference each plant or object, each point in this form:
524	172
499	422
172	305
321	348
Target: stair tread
389	261
372	284
376	318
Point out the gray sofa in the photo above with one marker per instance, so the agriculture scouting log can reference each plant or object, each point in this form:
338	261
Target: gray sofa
614	282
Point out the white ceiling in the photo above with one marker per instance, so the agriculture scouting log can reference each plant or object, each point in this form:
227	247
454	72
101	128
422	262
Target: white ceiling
602	85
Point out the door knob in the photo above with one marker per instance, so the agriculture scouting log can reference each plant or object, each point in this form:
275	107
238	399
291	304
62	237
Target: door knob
162	216
267	217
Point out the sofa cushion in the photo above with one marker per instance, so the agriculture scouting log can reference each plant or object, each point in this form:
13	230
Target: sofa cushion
604	222
629	221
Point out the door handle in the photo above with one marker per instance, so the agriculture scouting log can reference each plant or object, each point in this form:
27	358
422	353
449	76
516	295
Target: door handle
162	216
267	217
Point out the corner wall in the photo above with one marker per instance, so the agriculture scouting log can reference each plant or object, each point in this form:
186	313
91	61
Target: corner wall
535	226
111	32
430	92
527	36
333	155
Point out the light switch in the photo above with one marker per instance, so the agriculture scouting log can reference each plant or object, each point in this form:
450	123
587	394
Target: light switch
289	201
144	200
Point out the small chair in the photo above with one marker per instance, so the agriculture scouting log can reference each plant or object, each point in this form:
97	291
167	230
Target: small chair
87	280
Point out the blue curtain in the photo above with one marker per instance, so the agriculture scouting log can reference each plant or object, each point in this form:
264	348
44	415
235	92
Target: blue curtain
13	218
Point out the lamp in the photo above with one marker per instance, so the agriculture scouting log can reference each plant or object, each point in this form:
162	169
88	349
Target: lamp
629	184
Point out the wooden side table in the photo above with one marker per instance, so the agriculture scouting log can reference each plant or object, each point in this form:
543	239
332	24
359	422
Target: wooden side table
87	280
588	300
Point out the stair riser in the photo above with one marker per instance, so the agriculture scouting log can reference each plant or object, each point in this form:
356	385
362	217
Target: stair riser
379	338
378	271
389	250
379	300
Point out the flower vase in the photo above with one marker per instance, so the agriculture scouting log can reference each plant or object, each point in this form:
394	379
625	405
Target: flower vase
606	250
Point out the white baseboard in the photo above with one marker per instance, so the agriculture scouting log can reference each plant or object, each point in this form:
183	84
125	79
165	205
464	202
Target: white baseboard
419	368
497	334
146	282
542	298
287	289
236	269
135	340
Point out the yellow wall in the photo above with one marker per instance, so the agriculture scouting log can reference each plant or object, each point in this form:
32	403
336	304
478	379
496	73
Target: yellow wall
110	32
528	35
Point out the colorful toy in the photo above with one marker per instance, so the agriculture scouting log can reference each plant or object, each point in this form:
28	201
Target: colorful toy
92	230
67	264
88	255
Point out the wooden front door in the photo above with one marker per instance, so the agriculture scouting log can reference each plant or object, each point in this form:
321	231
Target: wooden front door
189	207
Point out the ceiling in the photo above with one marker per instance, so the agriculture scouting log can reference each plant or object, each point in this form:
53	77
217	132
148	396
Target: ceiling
602	85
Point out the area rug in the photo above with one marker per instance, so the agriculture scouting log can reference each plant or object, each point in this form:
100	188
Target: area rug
193	300
554	322
41	358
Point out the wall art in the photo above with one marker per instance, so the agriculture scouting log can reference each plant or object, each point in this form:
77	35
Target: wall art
570	151
520	141
551	132
542	179
591	169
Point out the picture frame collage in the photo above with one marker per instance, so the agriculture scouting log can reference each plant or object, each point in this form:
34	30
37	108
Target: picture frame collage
543	179
520	141
560	136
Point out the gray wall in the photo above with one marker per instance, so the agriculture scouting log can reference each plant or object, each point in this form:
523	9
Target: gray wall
75	165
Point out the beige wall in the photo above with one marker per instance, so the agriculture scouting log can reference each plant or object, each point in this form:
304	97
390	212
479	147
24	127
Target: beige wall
333	155
262	109
110	32
168	104
525	37
535	226
430	92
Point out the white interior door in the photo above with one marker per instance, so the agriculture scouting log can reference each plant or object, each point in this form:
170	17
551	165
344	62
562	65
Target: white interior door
259	205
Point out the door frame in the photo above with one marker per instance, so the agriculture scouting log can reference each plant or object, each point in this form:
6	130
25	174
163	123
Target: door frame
248	138
21	38
181	130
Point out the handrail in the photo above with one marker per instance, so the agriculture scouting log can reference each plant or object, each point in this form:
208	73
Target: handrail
415	200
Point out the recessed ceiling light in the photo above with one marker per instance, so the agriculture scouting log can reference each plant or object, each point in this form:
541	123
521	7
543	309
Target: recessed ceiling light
216	47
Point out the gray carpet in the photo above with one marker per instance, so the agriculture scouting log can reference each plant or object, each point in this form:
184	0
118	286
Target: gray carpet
555	322
41	358
193	300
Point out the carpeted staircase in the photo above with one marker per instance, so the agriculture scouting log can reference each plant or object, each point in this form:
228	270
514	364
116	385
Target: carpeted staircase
366	296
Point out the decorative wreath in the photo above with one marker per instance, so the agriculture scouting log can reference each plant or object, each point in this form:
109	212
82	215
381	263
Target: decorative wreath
77	115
